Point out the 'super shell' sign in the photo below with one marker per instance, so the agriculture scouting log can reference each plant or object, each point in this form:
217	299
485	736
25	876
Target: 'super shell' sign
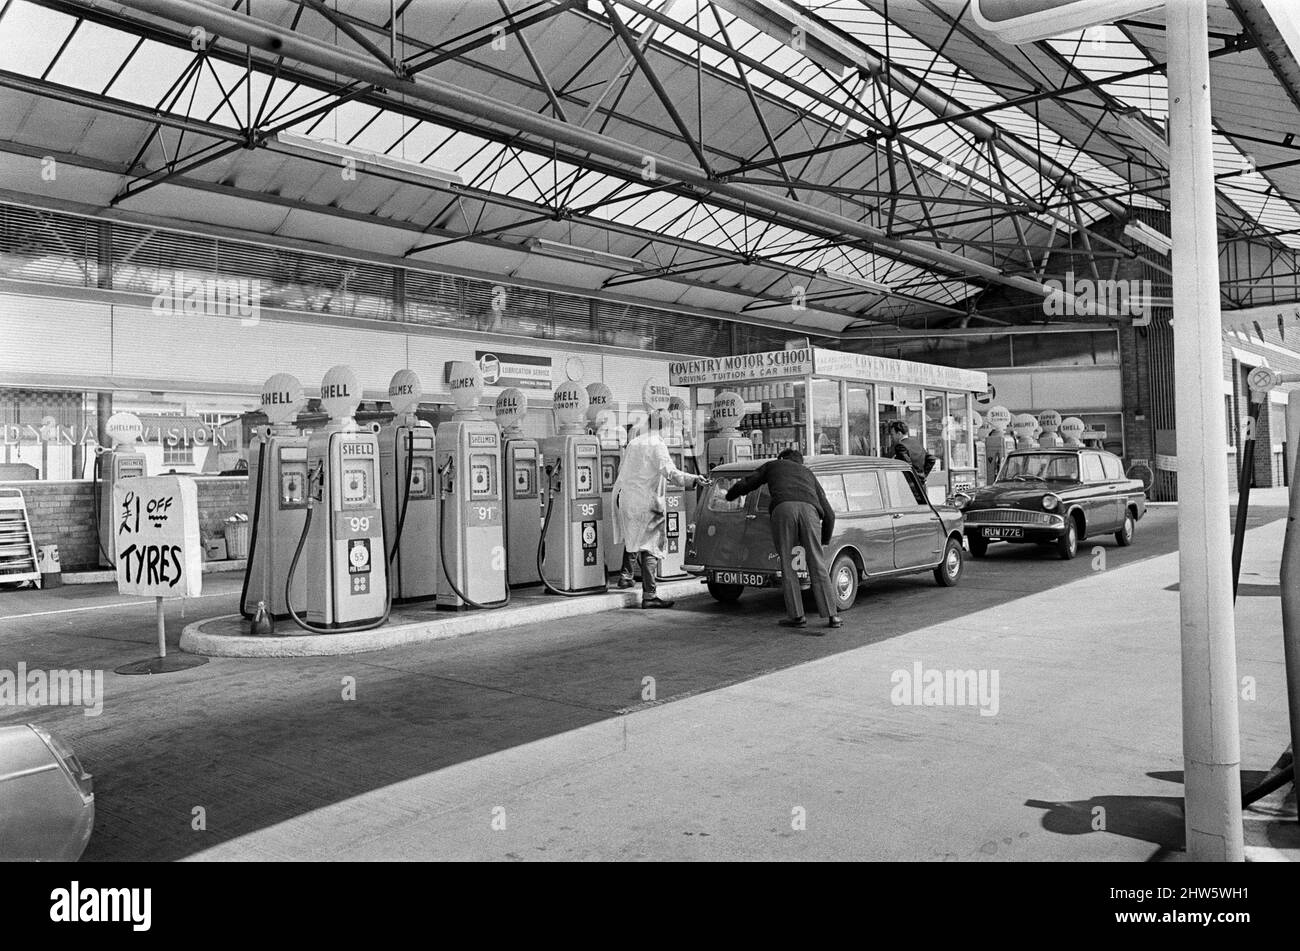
511	406
282	397
340	392
728	408
405	391
1050	420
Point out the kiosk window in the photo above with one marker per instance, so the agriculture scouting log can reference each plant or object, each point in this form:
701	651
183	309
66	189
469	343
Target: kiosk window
863	492
833	486
903	492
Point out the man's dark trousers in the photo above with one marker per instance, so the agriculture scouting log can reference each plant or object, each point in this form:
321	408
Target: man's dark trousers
798	523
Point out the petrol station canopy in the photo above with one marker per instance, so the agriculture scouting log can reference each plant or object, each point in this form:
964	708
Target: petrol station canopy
837	168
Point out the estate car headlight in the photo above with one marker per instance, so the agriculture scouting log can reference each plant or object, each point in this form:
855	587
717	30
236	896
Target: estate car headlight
1051	502
961	500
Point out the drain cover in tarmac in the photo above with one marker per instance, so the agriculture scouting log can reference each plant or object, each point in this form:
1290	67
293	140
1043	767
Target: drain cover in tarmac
162	665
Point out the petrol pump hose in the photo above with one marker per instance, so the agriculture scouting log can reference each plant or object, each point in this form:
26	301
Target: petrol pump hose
293	569
406	497
442	547
252	536
99	540
541	546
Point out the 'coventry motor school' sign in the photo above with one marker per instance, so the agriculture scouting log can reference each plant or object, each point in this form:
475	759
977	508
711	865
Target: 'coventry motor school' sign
156	527
745	366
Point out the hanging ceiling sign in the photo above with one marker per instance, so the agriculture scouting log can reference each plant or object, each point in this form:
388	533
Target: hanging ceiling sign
872	369
1026	21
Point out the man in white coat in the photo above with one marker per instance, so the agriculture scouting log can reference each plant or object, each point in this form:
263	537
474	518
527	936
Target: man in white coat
640	506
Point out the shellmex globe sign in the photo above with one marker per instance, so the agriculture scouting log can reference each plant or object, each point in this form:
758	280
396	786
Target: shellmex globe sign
124	429
465	380
405	391
599	399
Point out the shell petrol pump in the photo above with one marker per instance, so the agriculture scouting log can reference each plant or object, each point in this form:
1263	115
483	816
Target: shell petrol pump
341	550
682	435
1050	420
1024	427
471	519
729	445
277	485
1072	430
122	460
407	463
997	443
525	490
658	400
570	560
602	422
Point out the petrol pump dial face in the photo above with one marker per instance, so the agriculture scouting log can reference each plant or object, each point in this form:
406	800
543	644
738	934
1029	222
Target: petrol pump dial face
356	485
584	479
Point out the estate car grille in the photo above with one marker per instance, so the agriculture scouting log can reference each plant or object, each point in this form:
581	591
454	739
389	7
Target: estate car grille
1012	516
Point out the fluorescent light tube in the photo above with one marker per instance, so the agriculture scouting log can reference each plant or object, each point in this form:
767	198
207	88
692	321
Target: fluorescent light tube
1147	133
371	161
852	280
572	252
1145	234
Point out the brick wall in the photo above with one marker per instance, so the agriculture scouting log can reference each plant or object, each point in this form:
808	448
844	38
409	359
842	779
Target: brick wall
63	513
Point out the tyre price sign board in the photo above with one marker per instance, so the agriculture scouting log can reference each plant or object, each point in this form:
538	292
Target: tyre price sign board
156	530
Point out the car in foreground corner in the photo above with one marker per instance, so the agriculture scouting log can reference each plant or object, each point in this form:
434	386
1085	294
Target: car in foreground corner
1056	497
884	526
47	801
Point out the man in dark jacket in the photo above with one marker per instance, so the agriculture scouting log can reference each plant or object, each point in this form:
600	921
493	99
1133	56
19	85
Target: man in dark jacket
800	515
909	449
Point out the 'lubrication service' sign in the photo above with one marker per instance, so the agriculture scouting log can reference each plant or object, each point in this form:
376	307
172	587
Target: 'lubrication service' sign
156	534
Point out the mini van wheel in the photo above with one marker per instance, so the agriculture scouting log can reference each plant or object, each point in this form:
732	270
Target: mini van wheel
726	593
948	572
844	581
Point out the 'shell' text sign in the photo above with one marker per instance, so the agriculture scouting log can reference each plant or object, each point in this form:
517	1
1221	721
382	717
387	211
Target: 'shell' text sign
156	529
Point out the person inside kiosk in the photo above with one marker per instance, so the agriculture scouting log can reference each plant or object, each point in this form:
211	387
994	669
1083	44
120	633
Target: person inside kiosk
640	506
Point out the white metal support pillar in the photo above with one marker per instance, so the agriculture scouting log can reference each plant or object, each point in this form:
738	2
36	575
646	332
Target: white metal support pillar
1211	744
